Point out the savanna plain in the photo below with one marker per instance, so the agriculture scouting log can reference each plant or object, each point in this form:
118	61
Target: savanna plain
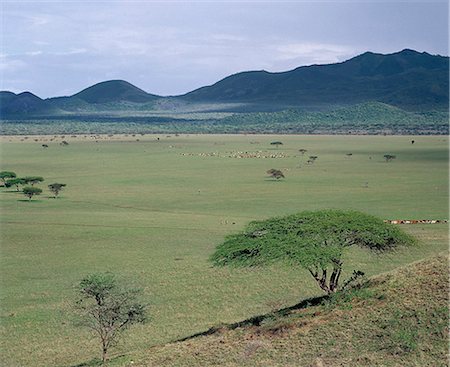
153	208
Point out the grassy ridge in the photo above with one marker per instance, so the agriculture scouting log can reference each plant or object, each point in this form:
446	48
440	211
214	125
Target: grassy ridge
397	319
154	211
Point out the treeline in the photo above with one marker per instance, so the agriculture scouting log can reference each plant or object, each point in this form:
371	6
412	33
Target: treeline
368	118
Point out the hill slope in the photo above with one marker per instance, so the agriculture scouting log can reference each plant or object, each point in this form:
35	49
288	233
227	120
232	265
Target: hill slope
396	319
114	91
407	79
25	103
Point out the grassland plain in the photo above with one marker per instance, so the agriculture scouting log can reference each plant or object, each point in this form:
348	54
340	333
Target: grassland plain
154	210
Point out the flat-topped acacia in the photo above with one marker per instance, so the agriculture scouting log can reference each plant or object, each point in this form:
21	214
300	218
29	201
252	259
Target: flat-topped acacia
314	240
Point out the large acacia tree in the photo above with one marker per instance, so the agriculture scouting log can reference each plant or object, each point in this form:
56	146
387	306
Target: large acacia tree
314	240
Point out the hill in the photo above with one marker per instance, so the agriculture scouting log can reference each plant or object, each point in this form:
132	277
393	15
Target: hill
114	91
396	319
407	79
23	104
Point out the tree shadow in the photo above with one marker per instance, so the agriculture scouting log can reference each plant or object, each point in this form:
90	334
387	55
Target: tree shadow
30	201
257	320
98	362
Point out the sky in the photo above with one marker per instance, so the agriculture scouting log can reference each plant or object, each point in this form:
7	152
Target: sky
57	47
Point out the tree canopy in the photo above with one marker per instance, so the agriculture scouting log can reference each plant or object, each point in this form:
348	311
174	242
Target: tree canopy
55	188
33	179
275	173
314	240
15	182
5	175
30	191
108	307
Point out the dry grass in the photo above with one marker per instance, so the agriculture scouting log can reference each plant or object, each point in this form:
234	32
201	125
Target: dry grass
398	319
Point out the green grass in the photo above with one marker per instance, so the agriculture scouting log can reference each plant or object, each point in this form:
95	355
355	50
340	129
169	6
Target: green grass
145	211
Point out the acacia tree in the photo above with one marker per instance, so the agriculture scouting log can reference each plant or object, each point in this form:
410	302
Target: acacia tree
30	191
312	159
389	157
15	182
33	180
55	188
275	173
108	308
312	240
6	175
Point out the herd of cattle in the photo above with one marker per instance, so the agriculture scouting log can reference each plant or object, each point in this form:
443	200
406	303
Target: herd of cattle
414	221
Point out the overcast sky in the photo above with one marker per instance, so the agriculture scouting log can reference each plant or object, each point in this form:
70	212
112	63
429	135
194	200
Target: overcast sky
54	48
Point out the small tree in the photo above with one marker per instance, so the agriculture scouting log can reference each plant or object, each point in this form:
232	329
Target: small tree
108	308
312	159
31	191
15	182
33	180
275	173
302	151
55	188
389	157
6	175
312	240
276	143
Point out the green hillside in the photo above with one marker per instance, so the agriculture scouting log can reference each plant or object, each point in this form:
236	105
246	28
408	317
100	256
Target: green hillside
114	91
389	321
407	79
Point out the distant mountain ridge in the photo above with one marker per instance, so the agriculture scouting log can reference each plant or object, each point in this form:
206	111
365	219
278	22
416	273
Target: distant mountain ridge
407	79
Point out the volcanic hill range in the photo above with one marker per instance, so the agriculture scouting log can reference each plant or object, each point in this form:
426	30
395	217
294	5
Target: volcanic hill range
408	80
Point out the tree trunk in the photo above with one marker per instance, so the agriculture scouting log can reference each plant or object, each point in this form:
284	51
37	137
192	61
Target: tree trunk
104	354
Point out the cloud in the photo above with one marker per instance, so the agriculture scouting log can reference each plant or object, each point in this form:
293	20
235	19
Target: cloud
314	52
33	53
11	65
73	51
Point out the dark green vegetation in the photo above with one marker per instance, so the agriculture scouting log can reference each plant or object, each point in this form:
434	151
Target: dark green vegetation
275	173
6	175
108	308
30	191
312	240
394	320
400	93
369	118
55	188
155	210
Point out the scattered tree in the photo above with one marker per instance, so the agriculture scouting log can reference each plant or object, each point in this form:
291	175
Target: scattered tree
275	173
108	308
312	240
6	175
276	143
15	182
302	151
64	143
44	146
55	188
312	159
33	180
31	191
389	157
